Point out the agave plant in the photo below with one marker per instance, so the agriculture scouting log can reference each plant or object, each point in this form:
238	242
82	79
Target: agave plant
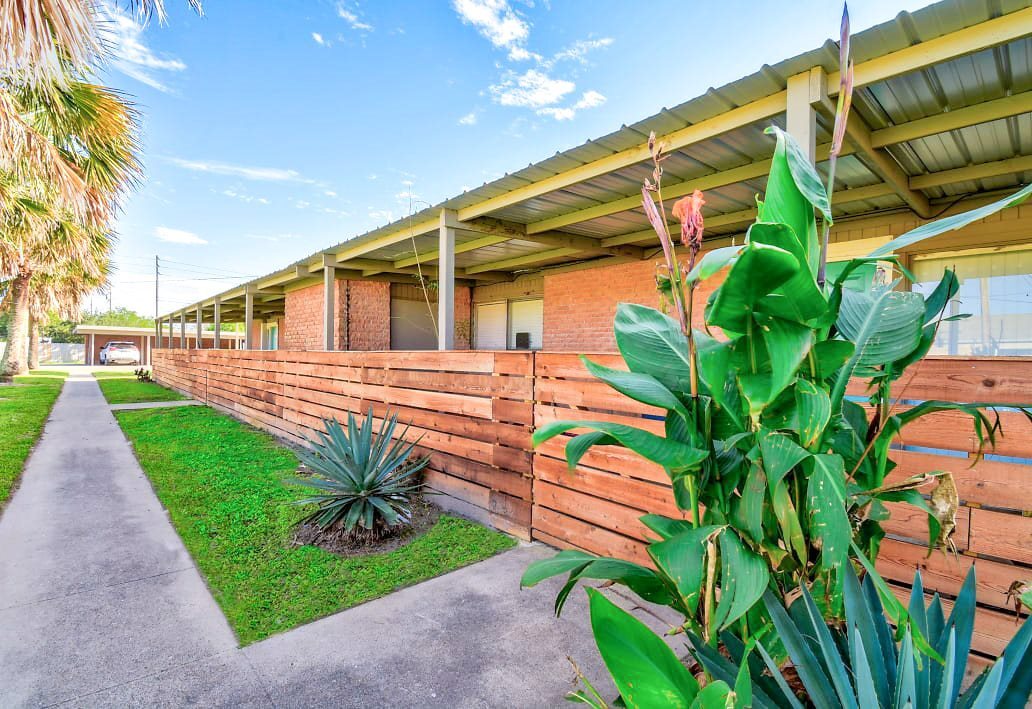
855	664
366	479
858	664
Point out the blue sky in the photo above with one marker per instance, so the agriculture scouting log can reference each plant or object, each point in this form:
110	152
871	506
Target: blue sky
274	129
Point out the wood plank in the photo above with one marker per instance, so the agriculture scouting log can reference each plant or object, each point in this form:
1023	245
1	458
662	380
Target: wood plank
608	514
641	495
613	459
544	414
993	483
912	523
1002	535
1006	381
577	533
945	573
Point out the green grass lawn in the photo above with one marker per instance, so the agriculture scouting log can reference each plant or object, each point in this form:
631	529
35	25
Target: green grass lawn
122	387
24	408
222	482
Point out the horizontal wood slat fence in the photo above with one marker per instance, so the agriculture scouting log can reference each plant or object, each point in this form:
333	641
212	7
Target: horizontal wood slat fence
476	412
473	410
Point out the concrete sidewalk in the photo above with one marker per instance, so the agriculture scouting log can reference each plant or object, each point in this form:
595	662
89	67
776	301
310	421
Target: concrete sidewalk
100	605
96	588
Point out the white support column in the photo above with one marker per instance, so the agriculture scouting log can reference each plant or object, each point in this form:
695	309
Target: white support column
199	335
329	302
159	333
216	341
446	281
93	348
248	317
805	92
147	347
171	339
182	329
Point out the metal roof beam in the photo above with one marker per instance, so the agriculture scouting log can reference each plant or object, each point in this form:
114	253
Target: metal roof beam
985	35
972	172
954	120
884	165
389	239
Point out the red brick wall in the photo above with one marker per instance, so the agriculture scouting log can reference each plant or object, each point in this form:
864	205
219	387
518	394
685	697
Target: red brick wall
463	317
302	321
580	304
369	319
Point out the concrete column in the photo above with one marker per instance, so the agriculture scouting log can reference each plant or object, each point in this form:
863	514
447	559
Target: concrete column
329	303
171	340
216	342
198	336
182	329
805	91
93	344
248	318
446	281
158	333
147	349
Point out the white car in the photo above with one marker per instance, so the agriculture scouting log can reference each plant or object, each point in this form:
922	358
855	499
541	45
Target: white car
120	353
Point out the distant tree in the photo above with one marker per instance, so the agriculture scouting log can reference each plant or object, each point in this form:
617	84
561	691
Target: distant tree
123	317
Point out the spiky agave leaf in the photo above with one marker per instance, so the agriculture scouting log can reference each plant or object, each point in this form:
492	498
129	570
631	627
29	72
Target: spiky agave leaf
364	478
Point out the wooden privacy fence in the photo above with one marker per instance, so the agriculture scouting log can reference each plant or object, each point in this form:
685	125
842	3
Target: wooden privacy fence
473	410
476	411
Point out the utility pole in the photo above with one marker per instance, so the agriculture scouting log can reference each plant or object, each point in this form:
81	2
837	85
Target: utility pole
157	324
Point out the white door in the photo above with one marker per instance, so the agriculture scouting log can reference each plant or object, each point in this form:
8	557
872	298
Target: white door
490	326
526	324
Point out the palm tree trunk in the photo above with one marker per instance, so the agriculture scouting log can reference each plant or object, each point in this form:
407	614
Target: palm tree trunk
33	343
16	354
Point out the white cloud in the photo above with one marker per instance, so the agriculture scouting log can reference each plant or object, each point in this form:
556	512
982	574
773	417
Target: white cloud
385	216
268	174
470	119
589	99
329	193
559	114
532	89
244	197
577	51
131	55
495	20
320	40
178	236
353	20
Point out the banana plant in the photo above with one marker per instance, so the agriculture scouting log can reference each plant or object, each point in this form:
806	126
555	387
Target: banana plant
780	474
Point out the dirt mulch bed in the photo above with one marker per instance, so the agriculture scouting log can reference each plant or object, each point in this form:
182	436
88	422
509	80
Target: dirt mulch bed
424	516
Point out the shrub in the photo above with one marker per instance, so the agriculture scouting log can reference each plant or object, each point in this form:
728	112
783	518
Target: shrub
143	375
366	480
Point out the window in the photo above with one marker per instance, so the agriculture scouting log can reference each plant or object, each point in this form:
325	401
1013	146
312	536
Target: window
491	319
512	325
995	290
271	337
526	324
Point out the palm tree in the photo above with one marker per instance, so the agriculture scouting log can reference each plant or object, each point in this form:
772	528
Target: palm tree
62	290
93	130
42	44
67	148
